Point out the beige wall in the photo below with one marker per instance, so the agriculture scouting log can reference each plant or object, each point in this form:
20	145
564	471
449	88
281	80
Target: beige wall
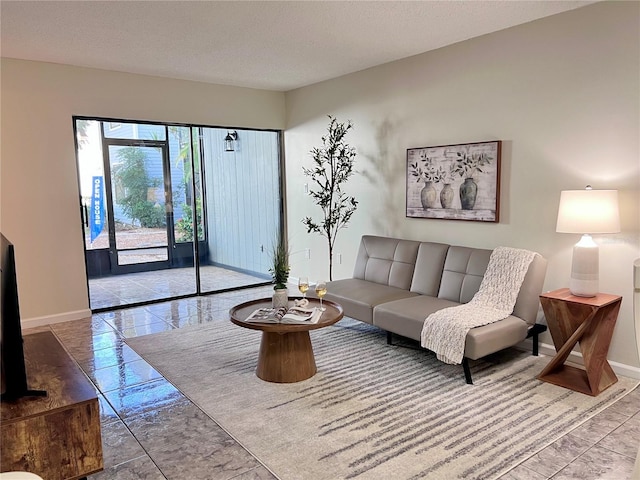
562	93
39	188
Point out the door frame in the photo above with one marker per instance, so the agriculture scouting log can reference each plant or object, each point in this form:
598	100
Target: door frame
115	267
98	260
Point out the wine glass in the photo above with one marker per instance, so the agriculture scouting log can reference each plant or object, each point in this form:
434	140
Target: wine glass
321	291
303	286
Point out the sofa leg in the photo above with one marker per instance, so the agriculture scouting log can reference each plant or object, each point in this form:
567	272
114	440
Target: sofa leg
389	338
535	332
467	370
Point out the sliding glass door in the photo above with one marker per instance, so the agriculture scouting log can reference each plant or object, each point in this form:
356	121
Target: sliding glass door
243	207
175	210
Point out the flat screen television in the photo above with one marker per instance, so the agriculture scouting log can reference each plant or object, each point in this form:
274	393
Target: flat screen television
12	365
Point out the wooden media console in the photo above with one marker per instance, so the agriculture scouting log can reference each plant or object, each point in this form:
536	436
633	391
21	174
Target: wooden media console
57	436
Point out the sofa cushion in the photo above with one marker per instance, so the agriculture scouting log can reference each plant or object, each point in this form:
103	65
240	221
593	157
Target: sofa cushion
464	269
359	297
429	266
406	316
387	261
487	339
463	272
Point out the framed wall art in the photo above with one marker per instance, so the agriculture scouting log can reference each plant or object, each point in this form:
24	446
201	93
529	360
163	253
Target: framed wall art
454	182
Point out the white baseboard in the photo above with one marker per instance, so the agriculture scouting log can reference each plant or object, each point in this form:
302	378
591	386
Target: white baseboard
575	358
58	318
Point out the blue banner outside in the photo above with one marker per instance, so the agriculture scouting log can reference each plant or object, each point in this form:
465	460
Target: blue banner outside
97	208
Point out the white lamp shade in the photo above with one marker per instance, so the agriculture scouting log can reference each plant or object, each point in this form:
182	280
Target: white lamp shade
588	211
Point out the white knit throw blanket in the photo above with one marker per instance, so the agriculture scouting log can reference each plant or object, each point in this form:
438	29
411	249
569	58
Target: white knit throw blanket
444	332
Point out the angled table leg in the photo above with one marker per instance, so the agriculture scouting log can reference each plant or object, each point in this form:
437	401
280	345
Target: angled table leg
588	322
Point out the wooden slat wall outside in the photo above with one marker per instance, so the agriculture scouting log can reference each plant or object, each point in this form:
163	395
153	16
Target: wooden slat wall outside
243	198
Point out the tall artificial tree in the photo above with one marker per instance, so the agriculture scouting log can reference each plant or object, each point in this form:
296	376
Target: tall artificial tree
333	165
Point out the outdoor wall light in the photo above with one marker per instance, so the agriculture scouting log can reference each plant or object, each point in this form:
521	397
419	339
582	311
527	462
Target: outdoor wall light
229	140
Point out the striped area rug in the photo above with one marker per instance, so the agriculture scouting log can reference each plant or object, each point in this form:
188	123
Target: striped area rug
372	411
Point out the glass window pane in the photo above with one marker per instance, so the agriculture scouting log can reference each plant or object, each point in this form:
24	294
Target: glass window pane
91	175
242	191
149	193
134	131
137	185
182	184
130	257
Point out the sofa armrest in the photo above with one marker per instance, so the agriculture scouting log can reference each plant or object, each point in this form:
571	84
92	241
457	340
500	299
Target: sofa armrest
528	302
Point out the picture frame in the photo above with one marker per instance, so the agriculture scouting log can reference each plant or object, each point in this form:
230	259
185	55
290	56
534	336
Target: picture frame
454	182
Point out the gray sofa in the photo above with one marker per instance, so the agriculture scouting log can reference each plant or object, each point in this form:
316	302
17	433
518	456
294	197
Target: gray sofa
397	283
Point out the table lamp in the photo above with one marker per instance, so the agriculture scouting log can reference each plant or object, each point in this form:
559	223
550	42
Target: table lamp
587	212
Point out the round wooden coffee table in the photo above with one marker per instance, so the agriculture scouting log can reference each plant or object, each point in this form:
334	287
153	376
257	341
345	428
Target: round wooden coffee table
286	354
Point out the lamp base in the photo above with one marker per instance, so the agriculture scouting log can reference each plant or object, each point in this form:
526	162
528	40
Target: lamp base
585	268
582	288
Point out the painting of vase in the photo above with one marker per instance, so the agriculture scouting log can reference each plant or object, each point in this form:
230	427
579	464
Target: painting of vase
454	182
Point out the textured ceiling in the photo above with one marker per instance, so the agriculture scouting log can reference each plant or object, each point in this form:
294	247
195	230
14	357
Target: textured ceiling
272	45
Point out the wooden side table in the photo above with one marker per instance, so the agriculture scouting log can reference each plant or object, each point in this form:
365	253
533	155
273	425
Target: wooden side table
588	321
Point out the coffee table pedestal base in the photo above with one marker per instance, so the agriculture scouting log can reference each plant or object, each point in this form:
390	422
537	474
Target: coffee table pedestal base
286	357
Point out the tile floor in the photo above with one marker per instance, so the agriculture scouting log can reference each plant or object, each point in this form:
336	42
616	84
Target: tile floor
120	290
151	431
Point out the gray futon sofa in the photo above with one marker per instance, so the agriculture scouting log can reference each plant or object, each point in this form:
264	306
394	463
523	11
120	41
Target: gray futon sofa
397	283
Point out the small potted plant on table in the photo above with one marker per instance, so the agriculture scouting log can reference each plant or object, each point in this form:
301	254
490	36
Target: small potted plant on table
280	273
